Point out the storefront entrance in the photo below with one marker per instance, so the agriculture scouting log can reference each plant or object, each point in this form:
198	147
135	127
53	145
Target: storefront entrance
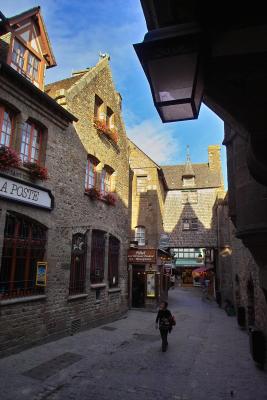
138	286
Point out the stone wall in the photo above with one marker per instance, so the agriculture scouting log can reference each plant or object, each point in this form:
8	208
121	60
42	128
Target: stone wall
175	211
25	321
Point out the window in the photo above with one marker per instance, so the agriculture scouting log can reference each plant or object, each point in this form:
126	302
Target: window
91	174
110	118
140	235
24	245
30	142
97	256
25	62
78	264
18	55
189	197
98	110
190	224
189	181
113	261
105	181
141	184
6	126
187	253
186	224
33	67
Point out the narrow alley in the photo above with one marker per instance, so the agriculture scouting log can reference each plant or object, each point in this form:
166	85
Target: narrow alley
208	358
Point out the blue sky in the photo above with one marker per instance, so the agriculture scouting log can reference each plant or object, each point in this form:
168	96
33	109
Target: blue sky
79	30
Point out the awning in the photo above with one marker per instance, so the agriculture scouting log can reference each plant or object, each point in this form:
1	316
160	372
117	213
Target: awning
201	269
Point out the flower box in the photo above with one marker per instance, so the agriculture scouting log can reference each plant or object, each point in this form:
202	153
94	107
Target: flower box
103	128
93	193
110	199
8	158
36	171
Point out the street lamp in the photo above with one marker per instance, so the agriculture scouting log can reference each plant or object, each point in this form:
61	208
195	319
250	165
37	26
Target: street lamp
171	58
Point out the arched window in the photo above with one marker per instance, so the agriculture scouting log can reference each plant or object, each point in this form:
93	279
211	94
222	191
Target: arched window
140	235
24	246
78	264
6	126
97	256
31	142
113	261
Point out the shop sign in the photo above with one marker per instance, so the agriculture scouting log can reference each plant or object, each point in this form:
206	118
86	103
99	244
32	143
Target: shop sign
144	256
41	273
17	190
150	284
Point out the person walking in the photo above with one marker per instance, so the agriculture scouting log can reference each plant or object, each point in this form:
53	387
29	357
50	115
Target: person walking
164	322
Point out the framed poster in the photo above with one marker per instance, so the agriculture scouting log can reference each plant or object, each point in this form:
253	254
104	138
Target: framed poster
150	284
41	273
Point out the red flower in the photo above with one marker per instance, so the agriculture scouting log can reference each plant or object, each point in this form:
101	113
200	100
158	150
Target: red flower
110	199
110	133
8	158
93	193
36	171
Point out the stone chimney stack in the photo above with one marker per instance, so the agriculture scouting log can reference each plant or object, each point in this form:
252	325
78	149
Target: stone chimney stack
214	152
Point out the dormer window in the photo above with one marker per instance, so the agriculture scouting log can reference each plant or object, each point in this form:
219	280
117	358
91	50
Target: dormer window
25	62
189	181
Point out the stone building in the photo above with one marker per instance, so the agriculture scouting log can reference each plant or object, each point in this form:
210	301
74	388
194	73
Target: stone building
63	240
189	212
148	283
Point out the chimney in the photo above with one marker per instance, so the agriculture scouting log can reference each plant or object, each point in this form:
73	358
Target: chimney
214	152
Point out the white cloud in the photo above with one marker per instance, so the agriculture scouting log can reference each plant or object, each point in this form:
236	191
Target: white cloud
156	140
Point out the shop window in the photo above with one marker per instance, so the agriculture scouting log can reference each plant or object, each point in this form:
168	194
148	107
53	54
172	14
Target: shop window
6	126
140	235
97	256
91	173
98	109
31	142
78	264
24	245
105	181
113	261
25	62
141	184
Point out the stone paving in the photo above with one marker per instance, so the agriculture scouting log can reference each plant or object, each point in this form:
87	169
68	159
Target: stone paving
208	358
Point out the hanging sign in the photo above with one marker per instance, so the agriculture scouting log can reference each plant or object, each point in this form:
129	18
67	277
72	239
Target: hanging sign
142	256
41	273
17	190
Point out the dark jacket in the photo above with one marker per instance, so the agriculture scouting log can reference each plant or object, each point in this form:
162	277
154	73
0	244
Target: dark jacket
164	319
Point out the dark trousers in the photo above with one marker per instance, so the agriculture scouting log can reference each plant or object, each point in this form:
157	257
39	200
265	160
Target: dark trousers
164	335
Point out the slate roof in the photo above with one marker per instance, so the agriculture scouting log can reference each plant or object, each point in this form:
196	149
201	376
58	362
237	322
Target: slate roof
204	177
51	88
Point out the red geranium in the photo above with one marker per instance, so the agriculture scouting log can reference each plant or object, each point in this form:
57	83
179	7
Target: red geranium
109	132
93	193
8	158
110	199
36	171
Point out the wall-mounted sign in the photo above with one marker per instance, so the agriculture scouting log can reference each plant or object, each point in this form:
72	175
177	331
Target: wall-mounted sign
17	190
41	273
142	256
150	284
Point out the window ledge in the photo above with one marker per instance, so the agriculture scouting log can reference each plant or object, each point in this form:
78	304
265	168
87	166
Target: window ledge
98	285
114	290
77	296
22	299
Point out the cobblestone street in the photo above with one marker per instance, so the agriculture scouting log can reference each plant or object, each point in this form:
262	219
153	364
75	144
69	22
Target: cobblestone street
208	358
